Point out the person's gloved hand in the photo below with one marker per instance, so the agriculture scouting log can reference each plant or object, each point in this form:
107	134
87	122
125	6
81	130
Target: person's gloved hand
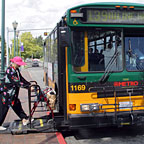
32	89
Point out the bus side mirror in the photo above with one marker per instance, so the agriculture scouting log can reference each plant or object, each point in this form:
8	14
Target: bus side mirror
64	37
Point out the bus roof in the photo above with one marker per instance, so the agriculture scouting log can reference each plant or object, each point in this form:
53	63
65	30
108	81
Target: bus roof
135	7
108	4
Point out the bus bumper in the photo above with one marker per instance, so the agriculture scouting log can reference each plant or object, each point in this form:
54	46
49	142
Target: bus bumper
106	119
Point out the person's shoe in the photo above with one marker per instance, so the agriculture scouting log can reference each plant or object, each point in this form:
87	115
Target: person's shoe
32	119
25	122
2	128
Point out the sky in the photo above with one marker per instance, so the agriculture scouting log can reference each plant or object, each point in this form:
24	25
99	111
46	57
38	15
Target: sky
41	14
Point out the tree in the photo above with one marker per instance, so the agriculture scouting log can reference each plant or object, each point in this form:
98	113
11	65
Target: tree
39	41
32	46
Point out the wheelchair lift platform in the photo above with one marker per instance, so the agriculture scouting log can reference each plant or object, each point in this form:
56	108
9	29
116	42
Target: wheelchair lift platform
39	125
42	124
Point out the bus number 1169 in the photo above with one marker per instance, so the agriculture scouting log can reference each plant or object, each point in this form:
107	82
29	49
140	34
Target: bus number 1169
78	88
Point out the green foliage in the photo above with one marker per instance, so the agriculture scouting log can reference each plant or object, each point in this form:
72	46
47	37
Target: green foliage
33	47
39	41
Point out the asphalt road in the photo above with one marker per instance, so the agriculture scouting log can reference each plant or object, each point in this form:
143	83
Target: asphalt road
37	74
110	135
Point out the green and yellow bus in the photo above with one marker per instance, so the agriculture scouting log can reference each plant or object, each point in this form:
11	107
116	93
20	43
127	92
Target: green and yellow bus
94	59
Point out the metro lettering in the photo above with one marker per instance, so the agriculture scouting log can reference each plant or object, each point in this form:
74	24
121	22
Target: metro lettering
128	83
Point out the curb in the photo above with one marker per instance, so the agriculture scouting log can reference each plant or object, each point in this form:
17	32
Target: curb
60	138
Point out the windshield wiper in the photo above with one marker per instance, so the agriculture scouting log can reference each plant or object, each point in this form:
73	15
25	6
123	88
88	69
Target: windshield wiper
109	67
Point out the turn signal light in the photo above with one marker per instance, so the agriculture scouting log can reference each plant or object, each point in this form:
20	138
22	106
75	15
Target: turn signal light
72	107
125	7
73	11
65	19
131	7
117	6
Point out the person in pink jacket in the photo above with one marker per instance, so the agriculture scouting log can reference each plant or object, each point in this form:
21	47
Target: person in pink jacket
9	91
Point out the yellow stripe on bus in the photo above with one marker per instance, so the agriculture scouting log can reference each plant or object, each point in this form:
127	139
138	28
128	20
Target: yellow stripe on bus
67	94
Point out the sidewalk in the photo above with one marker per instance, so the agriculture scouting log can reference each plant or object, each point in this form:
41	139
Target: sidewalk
41	138
35	138
38	138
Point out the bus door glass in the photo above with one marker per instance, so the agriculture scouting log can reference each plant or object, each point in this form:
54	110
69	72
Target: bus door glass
78	48
104	50
134	50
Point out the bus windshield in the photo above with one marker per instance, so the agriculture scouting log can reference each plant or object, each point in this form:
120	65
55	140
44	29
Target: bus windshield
134	51
99	48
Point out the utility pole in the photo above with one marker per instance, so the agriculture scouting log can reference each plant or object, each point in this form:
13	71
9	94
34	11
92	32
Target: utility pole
3	37
17	47
7	48
15	24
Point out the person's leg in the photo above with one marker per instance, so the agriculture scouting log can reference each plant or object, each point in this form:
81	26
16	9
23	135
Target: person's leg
17	107
3	111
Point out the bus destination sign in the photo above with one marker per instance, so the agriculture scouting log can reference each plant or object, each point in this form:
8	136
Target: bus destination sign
115	16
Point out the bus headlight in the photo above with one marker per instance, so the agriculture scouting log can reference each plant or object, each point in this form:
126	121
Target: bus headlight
90	107
85	107
94	107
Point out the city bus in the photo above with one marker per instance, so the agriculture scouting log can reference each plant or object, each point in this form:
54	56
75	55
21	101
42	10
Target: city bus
94	59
